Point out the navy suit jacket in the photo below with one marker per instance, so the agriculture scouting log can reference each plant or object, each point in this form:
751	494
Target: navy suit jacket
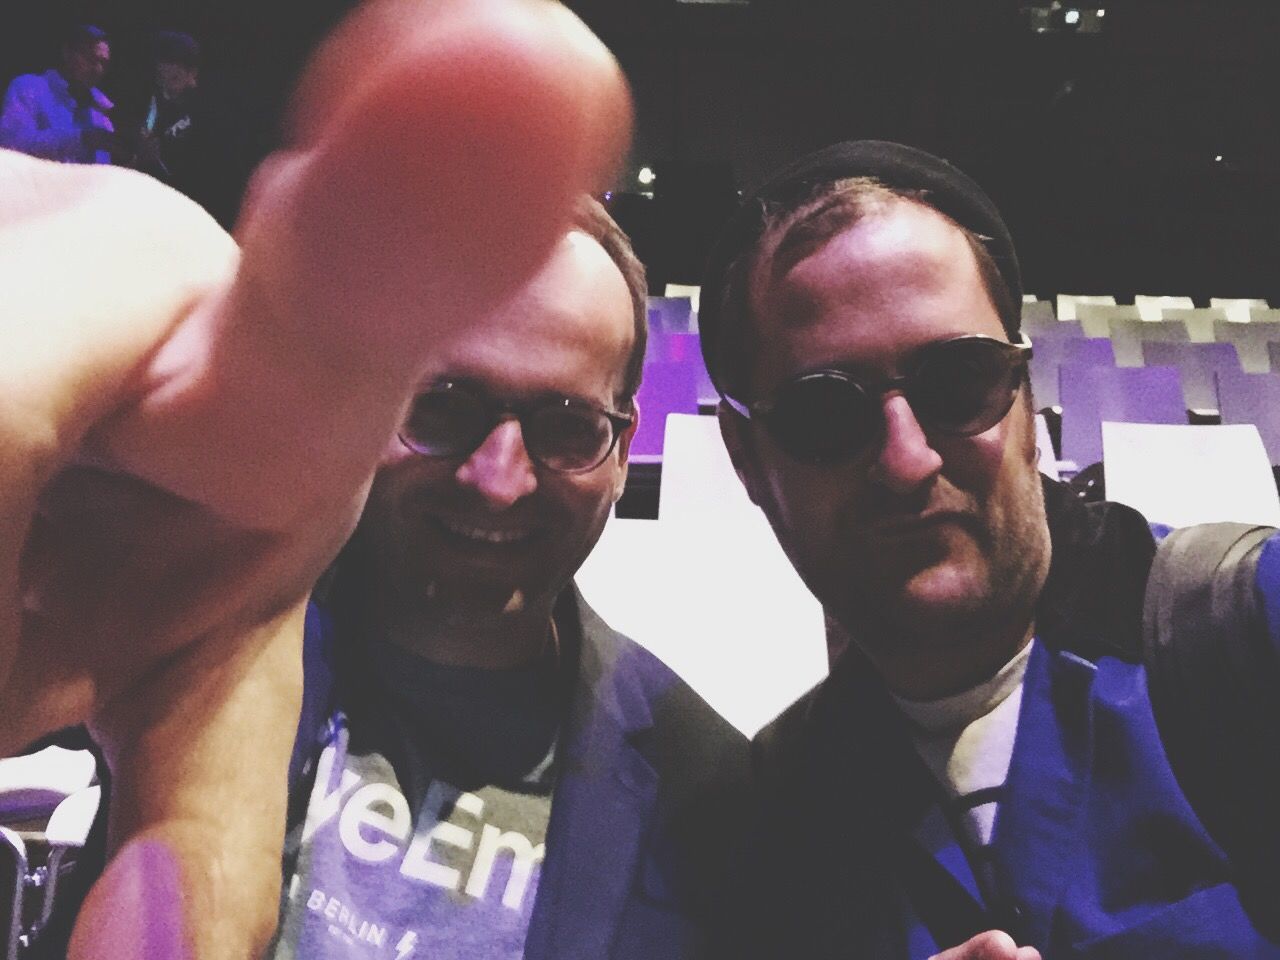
1096	851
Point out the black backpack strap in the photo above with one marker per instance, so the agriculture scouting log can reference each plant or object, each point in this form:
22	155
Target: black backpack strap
1215	690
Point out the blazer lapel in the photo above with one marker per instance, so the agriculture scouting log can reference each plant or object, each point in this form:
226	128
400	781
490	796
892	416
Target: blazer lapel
604	795
901	822
935	836
1049	777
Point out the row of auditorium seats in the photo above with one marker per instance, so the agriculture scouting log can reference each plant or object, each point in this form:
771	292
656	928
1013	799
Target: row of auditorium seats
1159	360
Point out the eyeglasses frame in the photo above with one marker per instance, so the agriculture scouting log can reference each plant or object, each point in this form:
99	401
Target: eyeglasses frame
519	410
761	409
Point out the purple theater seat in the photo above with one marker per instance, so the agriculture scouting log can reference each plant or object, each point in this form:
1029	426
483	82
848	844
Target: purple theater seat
667	387
1036	328
1253	398
666	347
1251	341
683	348
1048	353
1127	337
1091	394
671	314
1197	363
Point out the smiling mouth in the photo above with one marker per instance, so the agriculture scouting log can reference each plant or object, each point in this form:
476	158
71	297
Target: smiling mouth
485	535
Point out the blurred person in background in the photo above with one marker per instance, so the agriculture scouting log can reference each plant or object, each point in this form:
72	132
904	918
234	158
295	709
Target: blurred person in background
167	141
61	114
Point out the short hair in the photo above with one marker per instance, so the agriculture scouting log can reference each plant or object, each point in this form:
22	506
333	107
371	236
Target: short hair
174	46
591	218
84	35
795	230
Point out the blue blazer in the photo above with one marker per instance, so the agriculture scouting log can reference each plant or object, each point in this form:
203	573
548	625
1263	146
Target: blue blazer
1096	852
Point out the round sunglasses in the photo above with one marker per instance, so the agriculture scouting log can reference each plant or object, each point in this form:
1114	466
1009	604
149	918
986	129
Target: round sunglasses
560	433
958	387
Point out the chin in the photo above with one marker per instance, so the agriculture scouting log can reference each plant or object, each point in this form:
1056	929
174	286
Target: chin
940	599
948	583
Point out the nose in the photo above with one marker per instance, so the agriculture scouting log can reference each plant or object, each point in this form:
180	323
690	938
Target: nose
500	469
906	461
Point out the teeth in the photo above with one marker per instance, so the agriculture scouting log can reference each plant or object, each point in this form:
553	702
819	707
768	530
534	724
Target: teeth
485	536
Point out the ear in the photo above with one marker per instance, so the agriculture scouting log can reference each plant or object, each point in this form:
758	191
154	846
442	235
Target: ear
735	430
624	449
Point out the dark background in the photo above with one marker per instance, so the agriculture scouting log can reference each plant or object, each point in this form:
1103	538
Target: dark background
1100	148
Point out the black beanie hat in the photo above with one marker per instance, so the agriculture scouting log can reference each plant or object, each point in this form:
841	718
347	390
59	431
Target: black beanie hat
944	188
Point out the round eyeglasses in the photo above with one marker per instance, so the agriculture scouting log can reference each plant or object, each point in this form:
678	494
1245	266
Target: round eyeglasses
560	433
958	387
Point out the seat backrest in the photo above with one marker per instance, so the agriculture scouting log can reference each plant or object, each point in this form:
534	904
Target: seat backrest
1199	321
1050	353
1127	336
1252	398
1097	318
668	387
1238	308
1052	329
1092	394
1273	352
1068	302
670	346
672	314
1197	363
1037	312
1154	307
1251	341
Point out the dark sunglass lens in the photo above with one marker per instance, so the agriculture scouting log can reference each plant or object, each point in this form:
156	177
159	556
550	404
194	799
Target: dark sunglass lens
824	418
568	436
964	387
446	423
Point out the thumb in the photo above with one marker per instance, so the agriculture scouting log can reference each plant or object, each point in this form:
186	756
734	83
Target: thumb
432	182
991	945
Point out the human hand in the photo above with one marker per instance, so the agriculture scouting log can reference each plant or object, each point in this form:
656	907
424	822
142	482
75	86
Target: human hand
991	945
187	430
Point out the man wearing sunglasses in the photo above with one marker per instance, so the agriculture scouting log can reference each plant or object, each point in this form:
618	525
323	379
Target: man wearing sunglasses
979	758
484	769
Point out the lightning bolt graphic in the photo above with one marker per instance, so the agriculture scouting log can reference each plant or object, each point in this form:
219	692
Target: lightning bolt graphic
406	945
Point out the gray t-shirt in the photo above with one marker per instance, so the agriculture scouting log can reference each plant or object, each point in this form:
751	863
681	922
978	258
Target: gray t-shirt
426	826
